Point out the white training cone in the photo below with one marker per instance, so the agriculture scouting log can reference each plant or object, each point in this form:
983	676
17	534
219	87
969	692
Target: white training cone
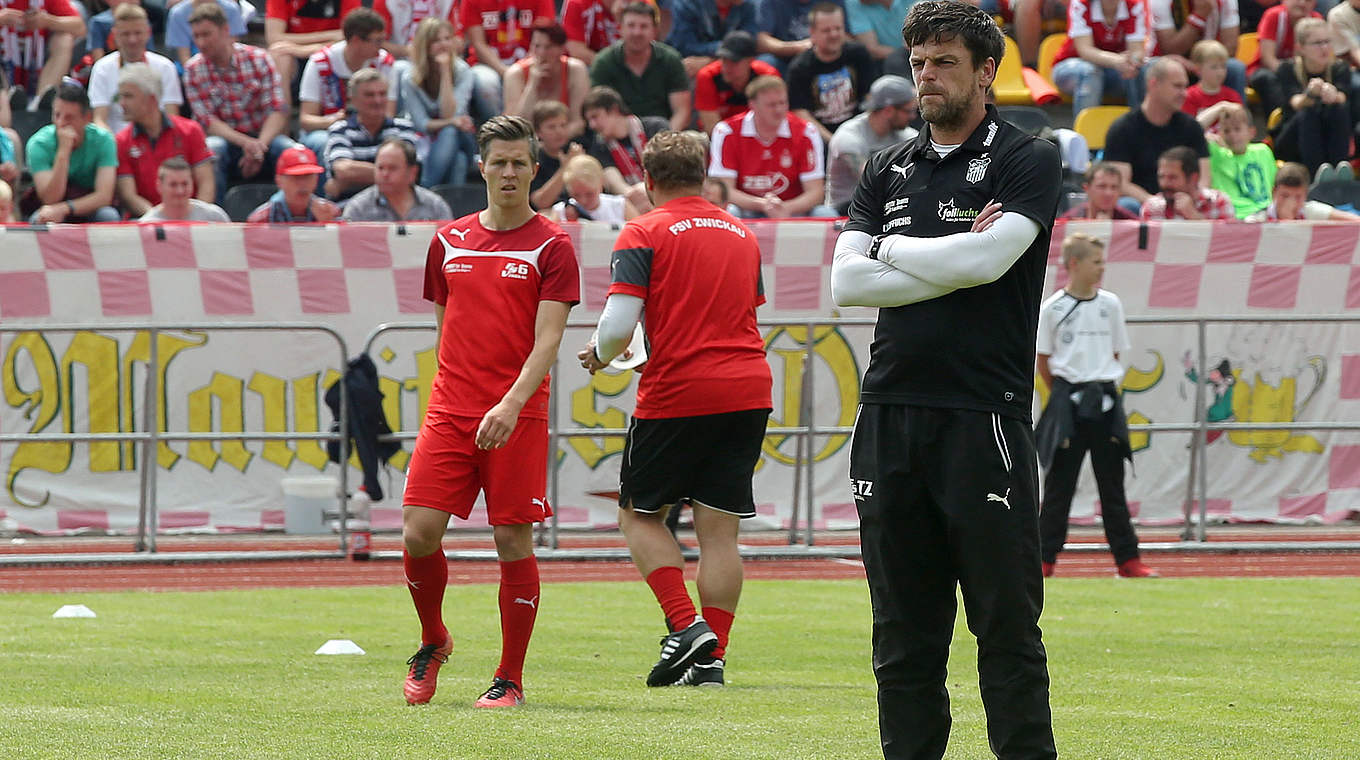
74	611
339	646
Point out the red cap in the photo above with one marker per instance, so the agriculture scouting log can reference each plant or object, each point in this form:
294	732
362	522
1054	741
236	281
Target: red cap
297	160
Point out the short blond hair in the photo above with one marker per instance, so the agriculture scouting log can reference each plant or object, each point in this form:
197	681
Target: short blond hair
1209	51
1078	246
762	83
585	168
1306	27
129	12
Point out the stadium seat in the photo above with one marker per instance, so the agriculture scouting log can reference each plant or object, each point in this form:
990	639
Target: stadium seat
27	122
1344	192
1048	54
1028	118
242	199
1010	86
1093	123
1247	45
463	199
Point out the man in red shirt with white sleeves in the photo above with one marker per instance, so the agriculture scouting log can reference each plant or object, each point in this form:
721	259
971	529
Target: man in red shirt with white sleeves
770	160
702	404
502	281
498	34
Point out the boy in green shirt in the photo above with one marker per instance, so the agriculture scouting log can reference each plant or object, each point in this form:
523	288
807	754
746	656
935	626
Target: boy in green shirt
1239	168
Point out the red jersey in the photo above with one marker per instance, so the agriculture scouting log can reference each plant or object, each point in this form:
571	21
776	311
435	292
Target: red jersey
713	93
781	167
698	269
23	54
590	21
140	157
507	24
1086	18
490	284
305	16
1197	100
1276	26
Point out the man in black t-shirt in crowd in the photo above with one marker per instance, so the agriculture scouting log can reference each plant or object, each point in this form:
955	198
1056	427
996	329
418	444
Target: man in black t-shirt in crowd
828	81
1139	137
619	139
948	235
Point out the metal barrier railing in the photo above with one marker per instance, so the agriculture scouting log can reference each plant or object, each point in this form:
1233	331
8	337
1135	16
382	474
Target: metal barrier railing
147	512
1194	508
804	460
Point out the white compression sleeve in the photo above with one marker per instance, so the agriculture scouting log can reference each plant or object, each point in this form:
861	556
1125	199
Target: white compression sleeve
615	331
857	280
964	259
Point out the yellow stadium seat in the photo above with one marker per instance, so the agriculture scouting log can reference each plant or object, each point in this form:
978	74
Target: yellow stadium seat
1048	52
1010	86
1093	123
1247	45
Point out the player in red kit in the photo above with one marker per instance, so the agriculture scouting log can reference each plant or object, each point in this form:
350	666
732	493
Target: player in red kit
702	402
502	281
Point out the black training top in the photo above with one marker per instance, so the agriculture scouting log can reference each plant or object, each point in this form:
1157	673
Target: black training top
972	348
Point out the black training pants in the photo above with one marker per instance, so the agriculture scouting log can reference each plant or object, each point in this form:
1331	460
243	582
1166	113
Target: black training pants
946	498
1060	483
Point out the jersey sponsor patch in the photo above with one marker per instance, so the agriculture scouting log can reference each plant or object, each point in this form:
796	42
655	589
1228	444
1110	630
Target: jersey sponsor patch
952	213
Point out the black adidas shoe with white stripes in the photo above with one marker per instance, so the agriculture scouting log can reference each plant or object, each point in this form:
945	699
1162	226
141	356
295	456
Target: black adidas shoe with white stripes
704	672
679	650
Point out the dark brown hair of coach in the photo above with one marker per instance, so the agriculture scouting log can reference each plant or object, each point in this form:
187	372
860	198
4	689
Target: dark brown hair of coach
943	20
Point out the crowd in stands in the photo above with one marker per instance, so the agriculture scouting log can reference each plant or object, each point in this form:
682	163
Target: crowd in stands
368	110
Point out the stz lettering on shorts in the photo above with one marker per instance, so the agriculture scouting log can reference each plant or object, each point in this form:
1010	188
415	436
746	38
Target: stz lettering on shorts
895	223
515	270
862	489
704	222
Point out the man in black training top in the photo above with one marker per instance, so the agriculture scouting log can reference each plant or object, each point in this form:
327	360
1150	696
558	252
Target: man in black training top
948	235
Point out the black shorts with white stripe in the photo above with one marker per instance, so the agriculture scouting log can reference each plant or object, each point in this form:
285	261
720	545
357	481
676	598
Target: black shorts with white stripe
706	460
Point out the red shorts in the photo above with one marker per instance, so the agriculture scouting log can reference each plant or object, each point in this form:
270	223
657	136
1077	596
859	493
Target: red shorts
448	470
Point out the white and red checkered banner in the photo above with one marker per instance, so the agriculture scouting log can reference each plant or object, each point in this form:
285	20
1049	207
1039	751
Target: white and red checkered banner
354	277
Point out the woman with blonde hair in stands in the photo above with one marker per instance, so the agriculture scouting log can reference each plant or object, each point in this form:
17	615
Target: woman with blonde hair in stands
584	179
436	91
1318	101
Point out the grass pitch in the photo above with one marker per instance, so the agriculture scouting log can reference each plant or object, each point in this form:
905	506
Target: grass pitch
1202	669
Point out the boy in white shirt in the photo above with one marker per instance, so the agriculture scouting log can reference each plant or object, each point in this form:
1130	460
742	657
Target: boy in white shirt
1081	332
584	177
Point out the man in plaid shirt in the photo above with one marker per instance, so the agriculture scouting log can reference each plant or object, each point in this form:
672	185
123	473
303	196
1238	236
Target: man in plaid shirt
1181	196
236	94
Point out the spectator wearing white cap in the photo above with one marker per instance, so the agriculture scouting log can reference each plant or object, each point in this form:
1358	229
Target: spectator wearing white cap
889	107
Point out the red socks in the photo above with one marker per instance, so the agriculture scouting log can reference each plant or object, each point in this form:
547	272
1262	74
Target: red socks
668	583
519	607
720	621
426	578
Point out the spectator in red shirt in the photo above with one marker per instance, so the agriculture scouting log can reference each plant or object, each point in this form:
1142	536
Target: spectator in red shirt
36	41
150	137
498	35
1211	58
1103	51
1102	184
1181	195
770	159
547	73
295	29
237	96
720	87
591	26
